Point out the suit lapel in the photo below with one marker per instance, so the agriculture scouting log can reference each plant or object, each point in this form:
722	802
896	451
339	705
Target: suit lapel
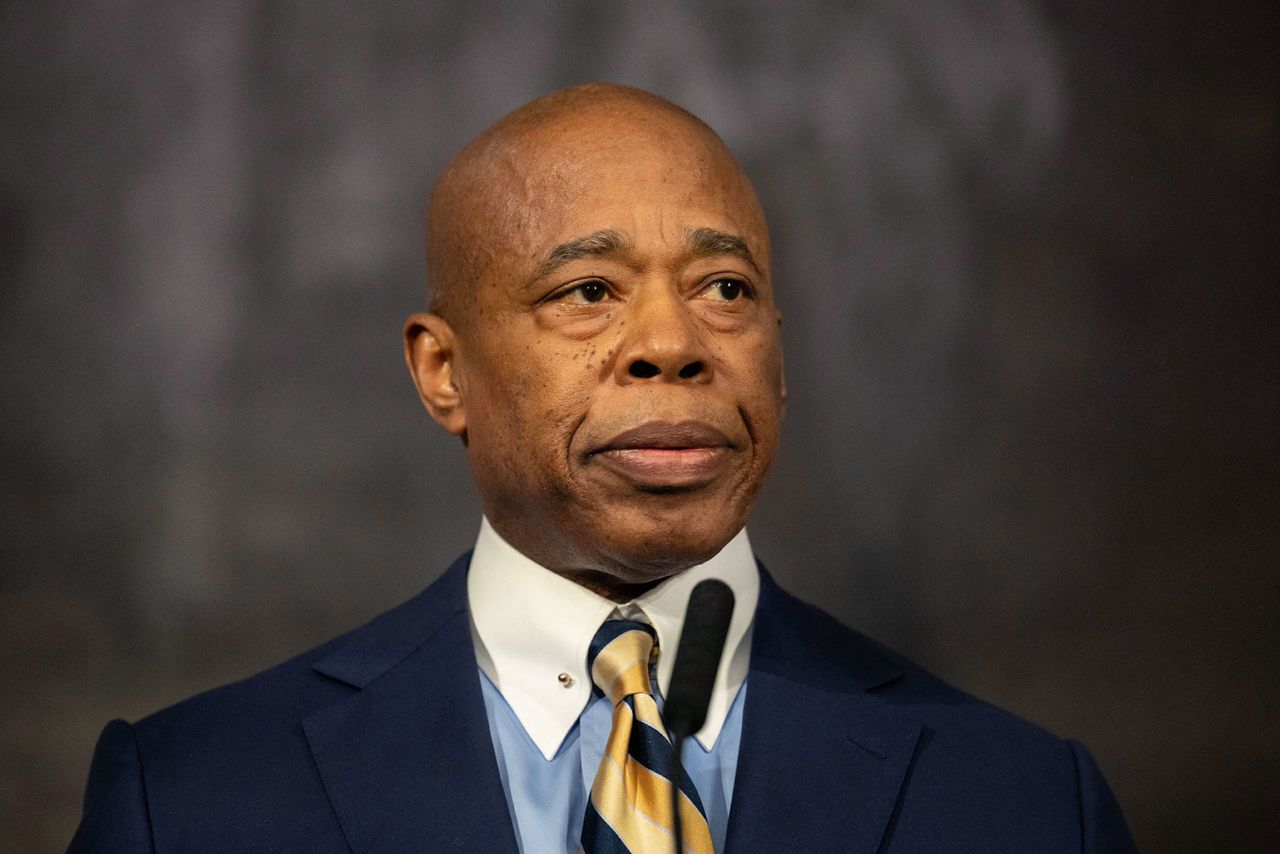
822	761
407	760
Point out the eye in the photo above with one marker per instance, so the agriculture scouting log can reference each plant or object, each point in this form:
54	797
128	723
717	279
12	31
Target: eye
587	292
728	290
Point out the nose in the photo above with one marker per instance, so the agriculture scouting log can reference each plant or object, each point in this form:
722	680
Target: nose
662	341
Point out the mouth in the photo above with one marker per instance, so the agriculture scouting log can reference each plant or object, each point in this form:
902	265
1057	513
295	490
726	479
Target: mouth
662	456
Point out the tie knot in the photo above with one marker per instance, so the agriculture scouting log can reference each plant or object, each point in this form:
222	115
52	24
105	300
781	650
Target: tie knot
619	659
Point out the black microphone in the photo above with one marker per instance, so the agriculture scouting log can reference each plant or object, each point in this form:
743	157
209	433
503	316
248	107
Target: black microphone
706	623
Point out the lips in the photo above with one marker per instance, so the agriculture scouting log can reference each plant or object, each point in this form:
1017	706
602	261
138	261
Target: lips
666	456
668	436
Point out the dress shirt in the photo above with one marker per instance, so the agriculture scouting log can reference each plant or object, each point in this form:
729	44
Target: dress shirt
531	630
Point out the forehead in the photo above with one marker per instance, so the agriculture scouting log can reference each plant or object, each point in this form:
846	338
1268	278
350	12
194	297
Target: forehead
657	178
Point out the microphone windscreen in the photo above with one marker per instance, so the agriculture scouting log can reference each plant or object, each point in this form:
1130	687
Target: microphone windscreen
706	623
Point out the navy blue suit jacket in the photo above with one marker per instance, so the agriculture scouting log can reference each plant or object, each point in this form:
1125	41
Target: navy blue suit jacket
378	742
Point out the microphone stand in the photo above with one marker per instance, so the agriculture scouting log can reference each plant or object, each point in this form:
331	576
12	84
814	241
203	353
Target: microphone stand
706	624
676	828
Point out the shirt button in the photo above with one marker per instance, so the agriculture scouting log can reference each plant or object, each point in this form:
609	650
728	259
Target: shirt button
565	679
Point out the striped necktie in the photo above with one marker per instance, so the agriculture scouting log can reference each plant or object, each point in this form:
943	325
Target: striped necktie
630	807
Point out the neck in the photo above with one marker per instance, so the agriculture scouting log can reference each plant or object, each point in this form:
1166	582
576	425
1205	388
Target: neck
608	586
618	580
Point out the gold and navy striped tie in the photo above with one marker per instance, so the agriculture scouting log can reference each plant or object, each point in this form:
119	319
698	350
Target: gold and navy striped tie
629	811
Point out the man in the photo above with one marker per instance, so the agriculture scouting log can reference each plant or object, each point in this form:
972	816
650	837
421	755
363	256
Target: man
604	341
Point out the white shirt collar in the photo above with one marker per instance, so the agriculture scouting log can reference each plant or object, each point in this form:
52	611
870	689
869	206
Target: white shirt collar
531	625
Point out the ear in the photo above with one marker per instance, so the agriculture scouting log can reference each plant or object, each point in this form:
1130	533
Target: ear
430	351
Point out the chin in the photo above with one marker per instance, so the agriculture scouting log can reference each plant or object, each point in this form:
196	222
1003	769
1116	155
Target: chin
654	548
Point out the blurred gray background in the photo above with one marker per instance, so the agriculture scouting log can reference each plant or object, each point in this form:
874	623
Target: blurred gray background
1027	257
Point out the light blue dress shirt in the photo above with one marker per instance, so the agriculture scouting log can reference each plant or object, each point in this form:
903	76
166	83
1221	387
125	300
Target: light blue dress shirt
547	798
532	630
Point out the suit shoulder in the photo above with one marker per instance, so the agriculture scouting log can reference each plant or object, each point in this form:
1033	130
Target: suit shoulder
236	762
316	677
848	655
996	782
291	683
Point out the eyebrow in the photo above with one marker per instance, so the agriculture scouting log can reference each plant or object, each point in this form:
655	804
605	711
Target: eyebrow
709	241
701	242
598	243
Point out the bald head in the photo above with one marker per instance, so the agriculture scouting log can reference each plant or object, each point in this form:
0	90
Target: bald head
600	266
533	165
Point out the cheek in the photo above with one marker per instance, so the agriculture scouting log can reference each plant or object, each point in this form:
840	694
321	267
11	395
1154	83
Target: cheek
768	356
586	363
534	397
567	393
754	364
757	376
